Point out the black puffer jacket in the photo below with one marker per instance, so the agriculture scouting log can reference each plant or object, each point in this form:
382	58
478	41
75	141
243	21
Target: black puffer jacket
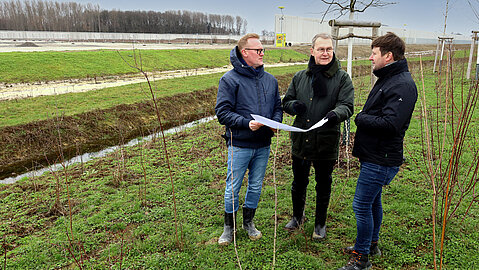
386	115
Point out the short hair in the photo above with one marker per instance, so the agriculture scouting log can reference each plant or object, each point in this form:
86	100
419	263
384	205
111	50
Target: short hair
321	35
244	39
390	42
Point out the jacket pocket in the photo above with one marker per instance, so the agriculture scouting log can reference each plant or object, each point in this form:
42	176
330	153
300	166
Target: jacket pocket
327	143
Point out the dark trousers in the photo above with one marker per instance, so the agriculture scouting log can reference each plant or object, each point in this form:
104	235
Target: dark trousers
323	170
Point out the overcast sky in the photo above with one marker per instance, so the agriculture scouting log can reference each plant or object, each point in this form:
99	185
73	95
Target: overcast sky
426	15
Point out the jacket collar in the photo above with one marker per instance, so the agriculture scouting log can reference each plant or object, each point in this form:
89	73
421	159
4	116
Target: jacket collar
392	69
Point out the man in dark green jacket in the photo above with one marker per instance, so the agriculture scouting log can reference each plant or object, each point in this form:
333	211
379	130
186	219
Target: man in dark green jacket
323	90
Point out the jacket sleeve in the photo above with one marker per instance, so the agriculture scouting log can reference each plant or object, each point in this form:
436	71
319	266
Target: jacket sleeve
225	105
344	106
290	97
277	109
399	102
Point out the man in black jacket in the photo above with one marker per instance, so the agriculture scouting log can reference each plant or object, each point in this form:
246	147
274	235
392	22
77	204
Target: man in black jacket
381	127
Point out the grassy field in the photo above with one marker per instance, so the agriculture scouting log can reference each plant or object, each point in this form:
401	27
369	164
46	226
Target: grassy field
22	111
22	67
118	212
122	214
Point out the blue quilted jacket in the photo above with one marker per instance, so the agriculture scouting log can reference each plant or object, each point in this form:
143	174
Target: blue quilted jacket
243	91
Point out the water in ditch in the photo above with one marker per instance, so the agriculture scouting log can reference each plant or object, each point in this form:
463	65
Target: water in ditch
89	156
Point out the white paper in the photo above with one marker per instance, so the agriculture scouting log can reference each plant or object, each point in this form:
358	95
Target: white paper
277	125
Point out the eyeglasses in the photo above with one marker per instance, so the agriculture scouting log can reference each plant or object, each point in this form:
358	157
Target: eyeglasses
258	51
325	50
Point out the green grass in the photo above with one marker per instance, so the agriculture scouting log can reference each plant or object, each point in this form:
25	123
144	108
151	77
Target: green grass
105	214
21	67
112	213
22	111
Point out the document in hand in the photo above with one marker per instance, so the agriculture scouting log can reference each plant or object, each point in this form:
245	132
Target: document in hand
277	125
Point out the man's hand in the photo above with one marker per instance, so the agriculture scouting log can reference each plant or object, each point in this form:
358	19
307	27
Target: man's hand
254	125
299	107
332	119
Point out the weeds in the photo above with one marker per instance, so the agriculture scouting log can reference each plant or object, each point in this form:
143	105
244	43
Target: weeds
124	249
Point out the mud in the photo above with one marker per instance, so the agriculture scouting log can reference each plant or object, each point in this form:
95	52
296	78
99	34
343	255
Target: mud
50	141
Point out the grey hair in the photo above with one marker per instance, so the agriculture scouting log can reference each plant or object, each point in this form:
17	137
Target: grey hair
321	35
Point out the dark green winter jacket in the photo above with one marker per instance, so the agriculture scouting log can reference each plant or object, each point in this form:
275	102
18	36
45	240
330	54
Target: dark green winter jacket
321	143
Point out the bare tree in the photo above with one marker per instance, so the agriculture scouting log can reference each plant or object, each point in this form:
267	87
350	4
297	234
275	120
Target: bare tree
341	8
41	15
239	24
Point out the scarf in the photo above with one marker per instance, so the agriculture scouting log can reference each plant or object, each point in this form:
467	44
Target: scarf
319	79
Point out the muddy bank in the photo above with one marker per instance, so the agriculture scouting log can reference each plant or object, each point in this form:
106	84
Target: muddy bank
38	144
42	143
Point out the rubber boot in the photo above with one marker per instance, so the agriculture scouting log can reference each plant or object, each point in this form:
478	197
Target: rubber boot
248	224
322	204
299	201
227	236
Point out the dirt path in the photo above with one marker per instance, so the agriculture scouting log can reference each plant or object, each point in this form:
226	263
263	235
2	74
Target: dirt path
25	90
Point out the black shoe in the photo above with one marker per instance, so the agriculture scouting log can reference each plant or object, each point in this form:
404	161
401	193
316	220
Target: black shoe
294	224
319	232
357	262
373	250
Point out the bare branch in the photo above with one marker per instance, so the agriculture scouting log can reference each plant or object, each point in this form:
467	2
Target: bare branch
340	8
473	10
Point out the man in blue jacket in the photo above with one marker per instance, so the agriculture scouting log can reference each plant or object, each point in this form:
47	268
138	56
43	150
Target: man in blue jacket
378	144
246	89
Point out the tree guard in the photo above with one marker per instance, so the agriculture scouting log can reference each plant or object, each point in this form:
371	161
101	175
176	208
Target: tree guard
475	37
441	42
335	26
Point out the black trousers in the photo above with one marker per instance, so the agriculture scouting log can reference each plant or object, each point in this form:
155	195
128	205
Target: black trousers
323	170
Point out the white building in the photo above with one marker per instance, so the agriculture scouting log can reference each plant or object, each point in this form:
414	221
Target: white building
300	30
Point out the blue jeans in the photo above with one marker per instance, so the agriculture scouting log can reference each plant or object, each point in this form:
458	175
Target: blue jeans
255	160
367	203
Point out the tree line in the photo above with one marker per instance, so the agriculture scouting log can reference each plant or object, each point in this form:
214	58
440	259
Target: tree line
38	15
